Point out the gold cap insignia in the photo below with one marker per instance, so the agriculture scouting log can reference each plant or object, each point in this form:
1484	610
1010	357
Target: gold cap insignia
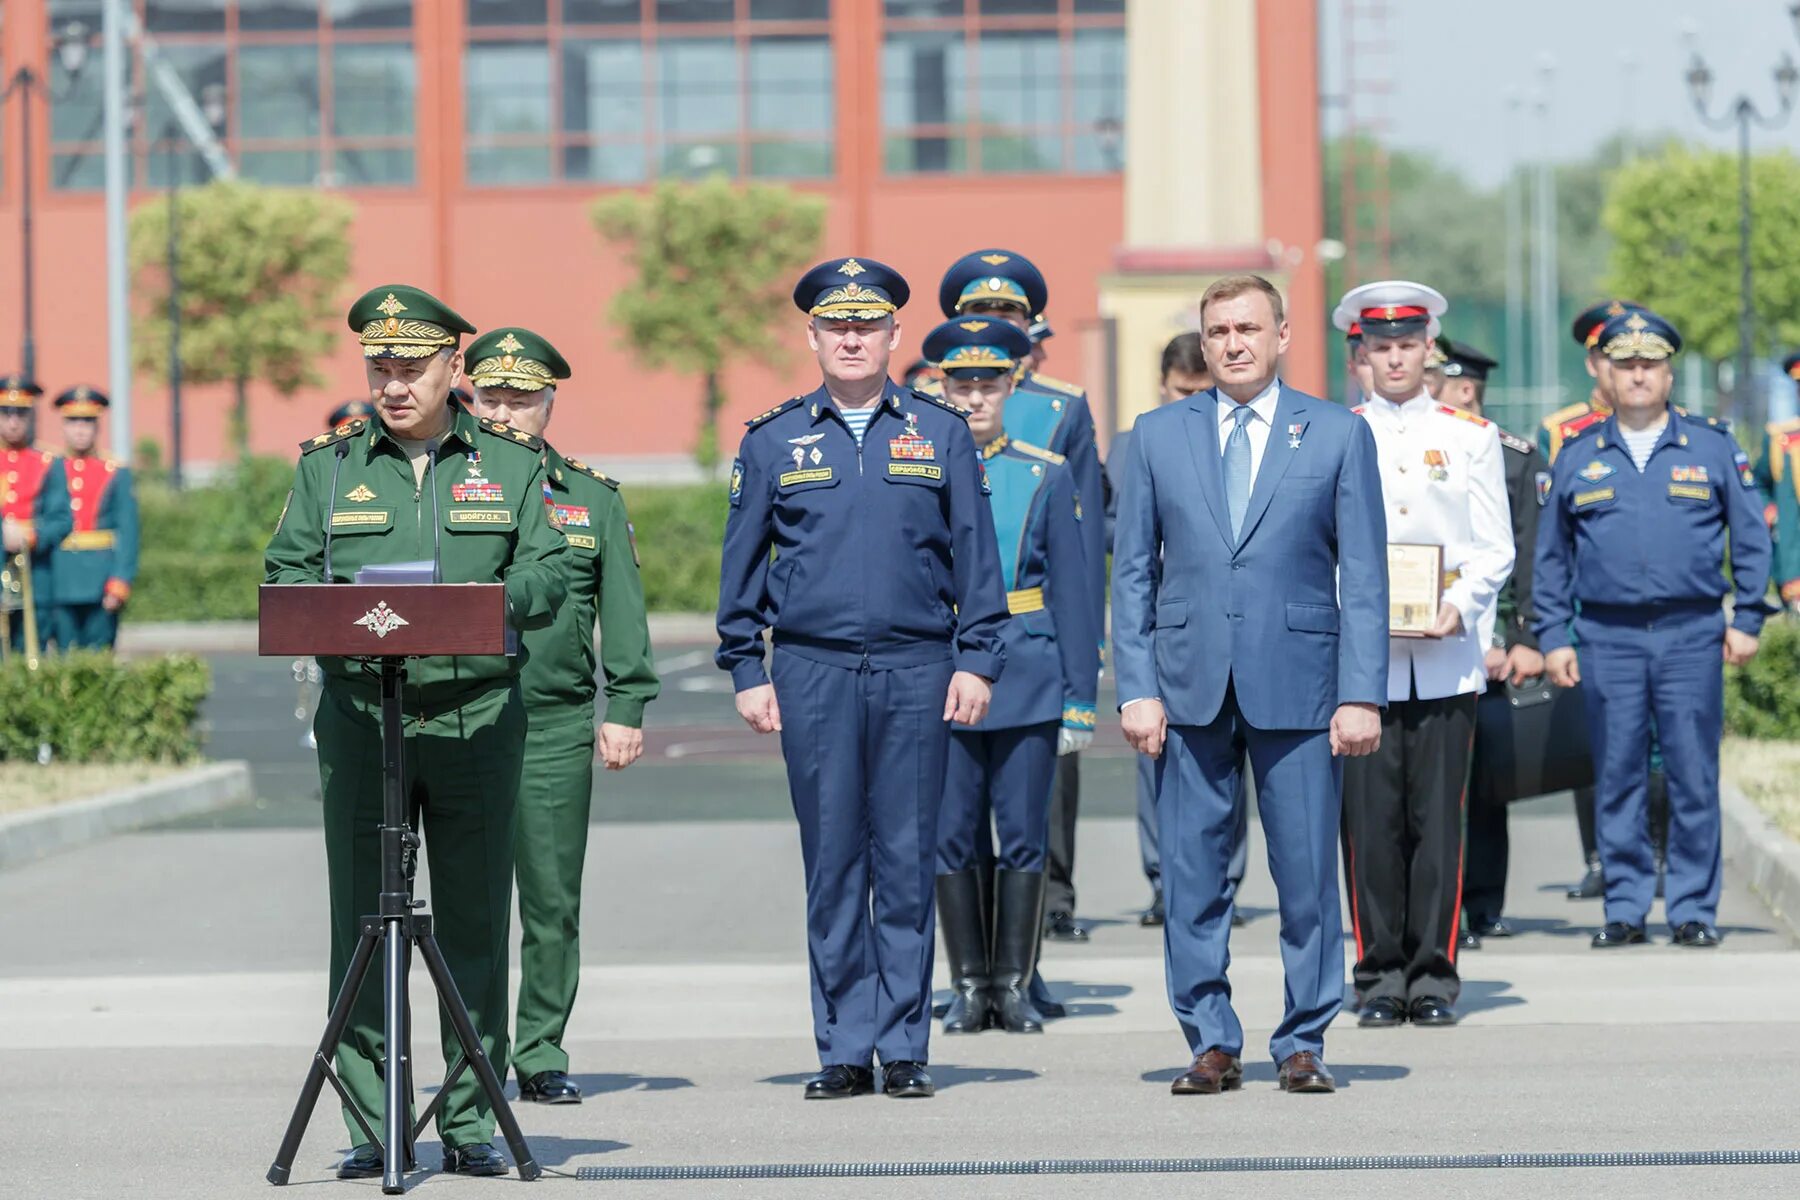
1637	322
511	344
973	326
1390	312
852	268
994	260
391	306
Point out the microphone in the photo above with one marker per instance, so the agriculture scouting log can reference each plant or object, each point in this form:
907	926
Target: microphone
437	519
343	448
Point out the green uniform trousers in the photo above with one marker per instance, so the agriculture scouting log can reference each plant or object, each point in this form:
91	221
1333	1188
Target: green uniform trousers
462	779
552	842
86	627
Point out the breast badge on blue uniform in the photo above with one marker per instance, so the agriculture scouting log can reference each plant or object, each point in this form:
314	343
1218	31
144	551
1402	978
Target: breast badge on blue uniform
1595	471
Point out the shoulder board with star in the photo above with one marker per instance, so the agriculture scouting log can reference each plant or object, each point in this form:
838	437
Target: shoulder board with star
1568	413
942	403
575	464
348	429
1049	456
1464	415
1058	385
759	418
502	430
1582	434
930	387
1513	441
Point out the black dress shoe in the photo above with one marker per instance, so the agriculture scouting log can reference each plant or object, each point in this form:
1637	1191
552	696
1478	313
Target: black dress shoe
1697	935
478	1159
1592	885
1466	940
1429	1010
840	1082
1156	914
1063	927
364	1162
550	1087
906	1080
1618	933
1382	1013
1497	928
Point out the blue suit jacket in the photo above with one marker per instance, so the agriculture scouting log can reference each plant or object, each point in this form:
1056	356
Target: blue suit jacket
1192	611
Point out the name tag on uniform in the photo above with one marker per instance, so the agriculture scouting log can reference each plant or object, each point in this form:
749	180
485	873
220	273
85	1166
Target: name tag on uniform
917	470
1583	499
481	516
1690	491
359	516
814	475
584	540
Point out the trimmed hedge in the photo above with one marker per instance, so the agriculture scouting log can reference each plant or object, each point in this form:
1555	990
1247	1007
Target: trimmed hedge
1762	698
202	555
90	707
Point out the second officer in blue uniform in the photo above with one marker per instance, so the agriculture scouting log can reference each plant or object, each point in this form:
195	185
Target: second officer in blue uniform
886	604
1044	706
1635	531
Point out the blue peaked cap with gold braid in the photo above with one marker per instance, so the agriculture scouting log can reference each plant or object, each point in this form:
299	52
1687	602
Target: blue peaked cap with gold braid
975	347
994	277
851	289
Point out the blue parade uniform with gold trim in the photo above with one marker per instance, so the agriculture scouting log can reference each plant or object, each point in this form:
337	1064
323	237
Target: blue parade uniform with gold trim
1630	567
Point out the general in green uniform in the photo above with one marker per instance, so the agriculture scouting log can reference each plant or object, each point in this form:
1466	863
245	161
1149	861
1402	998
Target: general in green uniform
92	569
515	373
372	485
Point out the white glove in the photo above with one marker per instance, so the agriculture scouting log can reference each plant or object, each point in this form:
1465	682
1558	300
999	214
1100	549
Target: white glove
1073	741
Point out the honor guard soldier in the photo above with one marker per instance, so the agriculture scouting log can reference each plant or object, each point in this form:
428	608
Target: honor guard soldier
1512	651
886	604
1631	571
34	518
1004	768
94	565
516	374
1780	480
1054	415
477	492
1444	486
348	411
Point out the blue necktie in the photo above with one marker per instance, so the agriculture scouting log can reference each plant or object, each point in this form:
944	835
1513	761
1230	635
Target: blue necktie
1237	469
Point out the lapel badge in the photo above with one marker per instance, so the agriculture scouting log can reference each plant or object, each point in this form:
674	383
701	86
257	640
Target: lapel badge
1294	432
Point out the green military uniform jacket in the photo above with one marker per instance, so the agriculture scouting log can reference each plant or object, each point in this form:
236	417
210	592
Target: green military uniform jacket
489	518
602	572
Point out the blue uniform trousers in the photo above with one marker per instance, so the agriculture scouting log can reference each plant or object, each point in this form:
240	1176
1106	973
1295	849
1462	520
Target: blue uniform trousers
865	753
1658	666
1151	853
1298	792
1005	772
86	626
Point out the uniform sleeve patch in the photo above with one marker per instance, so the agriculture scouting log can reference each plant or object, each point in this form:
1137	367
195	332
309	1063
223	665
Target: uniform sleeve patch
1746	475
737	482
1543	488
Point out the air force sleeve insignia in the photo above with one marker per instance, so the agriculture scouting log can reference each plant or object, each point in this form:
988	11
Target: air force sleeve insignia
1543	488
737	482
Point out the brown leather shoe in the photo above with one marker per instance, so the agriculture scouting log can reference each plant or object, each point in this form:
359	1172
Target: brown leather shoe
1213	1072
1303	1072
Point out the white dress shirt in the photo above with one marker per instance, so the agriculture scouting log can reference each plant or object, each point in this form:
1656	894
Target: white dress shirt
1256	427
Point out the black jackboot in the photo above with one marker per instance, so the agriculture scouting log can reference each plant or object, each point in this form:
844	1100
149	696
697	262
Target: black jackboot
1018	926
965	950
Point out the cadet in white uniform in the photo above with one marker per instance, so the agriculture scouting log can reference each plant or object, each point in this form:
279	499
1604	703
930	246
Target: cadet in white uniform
1443	484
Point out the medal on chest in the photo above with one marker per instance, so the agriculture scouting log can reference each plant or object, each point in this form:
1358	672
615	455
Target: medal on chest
911	444
475	488
1437	465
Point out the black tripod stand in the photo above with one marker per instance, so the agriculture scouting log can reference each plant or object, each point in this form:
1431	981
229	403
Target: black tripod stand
395	930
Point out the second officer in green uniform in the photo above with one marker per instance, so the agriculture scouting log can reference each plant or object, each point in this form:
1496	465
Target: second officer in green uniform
515	373
425	478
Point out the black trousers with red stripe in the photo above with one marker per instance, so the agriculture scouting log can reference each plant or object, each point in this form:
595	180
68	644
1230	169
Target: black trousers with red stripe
1403	849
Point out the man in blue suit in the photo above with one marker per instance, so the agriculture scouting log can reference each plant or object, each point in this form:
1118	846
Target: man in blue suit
1247	512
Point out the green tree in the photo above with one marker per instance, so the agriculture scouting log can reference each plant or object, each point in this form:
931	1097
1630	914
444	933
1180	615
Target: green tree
260	272
715	263
1673	219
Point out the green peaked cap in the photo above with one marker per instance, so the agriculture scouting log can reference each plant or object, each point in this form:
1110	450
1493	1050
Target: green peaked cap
398	321
512	357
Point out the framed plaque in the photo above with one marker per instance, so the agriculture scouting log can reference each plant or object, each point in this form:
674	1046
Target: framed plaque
1415	588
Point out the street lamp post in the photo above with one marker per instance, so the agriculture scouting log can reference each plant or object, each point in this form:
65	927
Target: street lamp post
1743	113
212	108
71	47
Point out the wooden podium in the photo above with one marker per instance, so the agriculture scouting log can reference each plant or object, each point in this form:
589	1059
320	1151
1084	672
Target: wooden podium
386	624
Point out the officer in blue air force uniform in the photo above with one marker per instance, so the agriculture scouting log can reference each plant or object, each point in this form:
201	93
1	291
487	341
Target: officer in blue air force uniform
886	604
1052	414
1042	707
1635	530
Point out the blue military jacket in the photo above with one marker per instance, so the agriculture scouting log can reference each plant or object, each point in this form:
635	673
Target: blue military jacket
1053	639
1055	415
1609	535
884	555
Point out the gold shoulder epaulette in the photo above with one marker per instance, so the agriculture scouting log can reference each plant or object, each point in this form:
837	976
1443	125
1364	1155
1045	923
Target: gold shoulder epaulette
930	387
1059	385
1515	442
1566	413
1049	456
942	403
576	464
759	418
502	430
1463	414
348	429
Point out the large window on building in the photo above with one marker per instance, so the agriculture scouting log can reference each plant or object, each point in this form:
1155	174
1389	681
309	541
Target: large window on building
1003	85
622	91
308	92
